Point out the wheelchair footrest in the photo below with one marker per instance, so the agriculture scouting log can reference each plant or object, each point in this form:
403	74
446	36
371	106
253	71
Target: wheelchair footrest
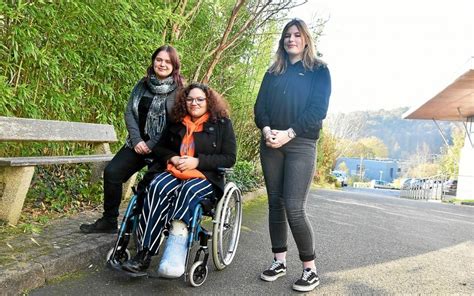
156	275
118	268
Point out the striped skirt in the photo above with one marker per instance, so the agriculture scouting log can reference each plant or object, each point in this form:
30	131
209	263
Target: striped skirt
167	199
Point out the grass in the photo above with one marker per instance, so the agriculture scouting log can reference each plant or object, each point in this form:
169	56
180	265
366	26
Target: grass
256	202
324	185
33	219
457	200
29	228
57	280
68	276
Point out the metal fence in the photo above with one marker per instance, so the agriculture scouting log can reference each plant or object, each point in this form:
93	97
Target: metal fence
432	188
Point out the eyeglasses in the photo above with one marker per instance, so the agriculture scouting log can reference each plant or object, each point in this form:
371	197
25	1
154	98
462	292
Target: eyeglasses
198	100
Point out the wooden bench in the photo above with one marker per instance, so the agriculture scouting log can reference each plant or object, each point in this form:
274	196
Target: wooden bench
16	172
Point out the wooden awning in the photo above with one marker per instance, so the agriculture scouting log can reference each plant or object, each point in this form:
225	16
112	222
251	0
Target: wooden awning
454	103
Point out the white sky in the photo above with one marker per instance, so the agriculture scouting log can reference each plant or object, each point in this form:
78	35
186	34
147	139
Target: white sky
387	54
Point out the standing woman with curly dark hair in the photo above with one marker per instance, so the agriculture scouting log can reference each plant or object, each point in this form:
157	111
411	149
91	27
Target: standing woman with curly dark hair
146	114
191	150
291	105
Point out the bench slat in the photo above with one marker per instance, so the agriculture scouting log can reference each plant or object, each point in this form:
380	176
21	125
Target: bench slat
26	129
48	160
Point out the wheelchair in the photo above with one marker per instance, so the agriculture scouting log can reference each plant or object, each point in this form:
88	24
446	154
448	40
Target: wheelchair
226	215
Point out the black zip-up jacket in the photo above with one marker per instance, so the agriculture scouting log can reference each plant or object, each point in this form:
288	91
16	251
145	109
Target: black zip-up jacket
215	147
298	99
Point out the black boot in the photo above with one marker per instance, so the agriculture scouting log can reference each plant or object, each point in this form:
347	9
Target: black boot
102	225
139	263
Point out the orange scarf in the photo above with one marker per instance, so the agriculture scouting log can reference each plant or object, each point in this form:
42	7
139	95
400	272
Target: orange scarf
188	147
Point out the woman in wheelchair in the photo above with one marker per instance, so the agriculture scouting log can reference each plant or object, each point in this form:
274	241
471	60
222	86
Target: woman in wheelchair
191	150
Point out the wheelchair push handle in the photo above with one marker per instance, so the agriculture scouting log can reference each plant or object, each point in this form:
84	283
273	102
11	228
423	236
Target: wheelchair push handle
224	171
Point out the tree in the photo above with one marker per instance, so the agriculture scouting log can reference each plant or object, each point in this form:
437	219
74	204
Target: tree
371	147
416	160
326	155
375	147
346	126
242	20
183	12
343	167
450	155
346	129
424	170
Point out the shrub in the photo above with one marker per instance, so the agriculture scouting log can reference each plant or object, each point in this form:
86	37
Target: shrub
63	189
247	176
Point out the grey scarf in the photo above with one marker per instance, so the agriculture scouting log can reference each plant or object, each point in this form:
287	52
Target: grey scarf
156	117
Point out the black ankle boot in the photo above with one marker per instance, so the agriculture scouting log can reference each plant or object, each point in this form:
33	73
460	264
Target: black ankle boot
102	225
139	263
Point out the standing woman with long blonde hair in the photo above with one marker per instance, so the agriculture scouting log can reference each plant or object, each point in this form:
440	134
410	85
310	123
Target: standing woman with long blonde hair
291	105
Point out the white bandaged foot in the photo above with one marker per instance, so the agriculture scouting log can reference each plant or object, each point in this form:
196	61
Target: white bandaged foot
174	256
178	227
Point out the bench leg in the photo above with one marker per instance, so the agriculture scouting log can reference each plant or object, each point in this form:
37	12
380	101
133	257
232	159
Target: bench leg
14	184
98	168
127	187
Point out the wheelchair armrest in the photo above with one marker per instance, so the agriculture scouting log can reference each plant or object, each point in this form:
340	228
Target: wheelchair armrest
224	171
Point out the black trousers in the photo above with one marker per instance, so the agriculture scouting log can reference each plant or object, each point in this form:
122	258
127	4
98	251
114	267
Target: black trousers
124	164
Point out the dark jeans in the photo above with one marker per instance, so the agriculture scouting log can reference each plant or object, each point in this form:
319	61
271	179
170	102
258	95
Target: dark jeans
288	173
124	164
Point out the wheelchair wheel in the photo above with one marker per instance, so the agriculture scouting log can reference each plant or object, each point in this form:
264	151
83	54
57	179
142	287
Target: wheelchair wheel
119	256
198	274
226	229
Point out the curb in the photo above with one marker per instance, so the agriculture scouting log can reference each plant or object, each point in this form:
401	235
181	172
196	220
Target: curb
22	276
254	194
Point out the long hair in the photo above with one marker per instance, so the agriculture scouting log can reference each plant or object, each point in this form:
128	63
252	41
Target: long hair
309	53
174	57
217	106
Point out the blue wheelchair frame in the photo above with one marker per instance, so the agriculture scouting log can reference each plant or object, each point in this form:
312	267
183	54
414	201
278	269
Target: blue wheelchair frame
197	274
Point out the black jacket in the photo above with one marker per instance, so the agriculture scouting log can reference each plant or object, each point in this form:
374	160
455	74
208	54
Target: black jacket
215	147
298	99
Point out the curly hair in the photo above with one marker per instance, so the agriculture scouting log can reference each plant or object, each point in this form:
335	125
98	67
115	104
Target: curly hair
217	106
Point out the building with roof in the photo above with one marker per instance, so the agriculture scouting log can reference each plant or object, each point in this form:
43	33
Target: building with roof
455	103
370	169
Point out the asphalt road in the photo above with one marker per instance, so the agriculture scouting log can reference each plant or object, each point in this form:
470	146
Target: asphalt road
374	192
367	242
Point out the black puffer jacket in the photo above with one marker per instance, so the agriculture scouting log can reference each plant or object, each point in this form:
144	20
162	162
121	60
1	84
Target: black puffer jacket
215	147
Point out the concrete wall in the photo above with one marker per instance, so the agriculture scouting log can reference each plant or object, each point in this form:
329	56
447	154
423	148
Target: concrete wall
466	170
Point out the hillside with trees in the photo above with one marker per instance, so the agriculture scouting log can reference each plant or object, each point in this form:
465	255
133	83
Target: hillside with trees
402	138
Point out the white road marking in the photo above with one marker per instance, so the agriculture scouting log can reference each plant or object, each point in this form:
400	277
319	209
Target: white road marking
356	204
